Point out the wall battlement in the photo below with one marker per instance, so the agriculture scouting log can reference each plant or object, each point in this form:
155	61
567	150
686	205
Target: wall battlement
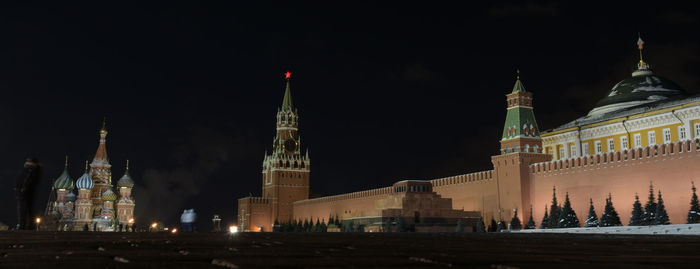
463	179
257	200
649	153
346	196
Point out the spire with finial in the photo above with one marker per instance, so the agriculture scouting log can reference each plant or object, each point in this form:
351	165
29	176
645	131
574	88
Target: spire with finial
104	126
518	87
287	101
640	46
127	165
66	163
86	165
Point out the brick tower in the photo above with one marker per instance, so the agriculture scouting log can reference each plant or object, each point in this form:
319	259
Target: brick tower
285	170
521	145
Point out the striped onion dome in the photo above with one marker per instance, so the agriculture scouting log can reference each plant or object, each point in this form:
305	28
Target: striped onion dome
125	181
84	182
109	195
70	196
63	182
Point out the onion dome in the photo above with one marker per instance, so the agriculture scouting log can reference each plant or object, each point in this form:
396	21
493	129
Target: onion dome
85	181
126	181
64	182
643	87
109	195
70	196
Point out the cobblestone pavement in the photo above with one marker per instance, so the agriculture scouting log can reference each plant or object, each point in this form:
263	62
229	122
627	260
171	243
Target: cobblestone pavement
343	250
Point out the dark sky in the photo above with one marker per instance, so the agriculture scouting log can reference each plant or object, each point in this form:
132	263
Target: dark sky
385	92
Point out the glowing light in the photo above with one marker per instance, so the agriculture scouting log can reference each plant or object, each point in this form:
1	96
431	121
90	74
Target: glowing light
288	75
174	230
38	220
154	225
166	228
233	229
131	220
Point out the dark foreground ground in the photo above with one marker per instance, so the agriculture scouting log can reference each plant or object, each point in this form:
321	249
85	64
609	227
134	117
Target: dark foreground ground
344	250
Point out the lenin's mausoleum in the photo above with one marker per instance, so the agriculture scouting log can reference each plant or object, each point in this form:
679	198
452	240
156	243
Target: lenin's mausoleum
645	131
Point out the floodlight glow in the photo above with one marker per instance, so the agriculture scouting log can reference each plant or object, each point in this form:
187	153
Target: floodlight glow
38	220
174	230
154	225
233	229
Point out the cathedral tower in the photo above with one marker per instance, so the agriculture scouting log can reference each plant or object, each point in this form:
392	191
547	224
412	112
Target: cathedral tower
83	206
285	170
521	145
125	205
100	170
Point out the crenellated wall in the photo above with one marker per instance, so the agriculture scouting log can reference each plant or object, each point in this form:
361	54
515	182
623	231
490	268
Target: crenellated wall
670	167
355	204
255	213
472	192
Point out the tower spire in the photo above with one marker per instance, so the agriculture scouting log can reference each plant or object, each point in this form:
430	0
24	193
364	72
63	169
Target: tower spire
127	166
287	101
640	46
518	87
66	164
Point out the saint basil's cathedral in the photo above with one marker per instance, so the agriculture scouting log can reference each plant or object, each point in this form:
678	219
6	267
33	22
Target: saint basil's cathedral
99	205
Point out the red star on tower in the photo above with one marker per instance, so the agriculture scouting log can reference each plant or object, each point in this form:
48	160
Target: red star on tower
288	75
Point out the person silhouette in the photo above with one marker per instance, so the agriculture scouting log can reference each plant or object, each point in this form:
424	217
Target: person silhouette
25	188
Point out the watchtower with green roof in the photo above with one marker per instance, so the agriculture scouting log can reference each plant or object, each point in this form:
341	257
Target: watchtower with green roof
520	132
521	146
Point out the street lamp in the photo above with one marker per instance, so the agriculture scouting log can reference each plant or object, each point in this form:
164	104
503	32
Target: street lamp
131	223
38	221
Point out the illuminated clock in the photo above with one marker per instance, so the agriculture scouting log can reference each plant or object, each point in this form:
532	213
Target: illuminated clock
290	145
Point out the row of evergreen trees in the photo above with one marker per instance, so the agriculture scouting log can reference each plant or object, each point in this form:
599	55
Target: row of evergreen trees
307	225
653	213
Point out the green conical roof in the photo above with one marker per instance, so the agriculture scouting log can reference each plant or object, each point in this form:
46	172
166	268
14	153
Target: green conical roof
518	87
287	101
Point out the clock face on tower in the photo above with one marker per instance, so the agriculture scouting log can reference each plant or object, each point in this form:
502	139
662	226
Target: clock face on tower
290	146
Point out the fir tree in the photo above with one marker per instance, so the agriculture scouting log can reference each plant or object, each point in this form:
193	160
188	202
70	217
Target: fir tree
330	220
493	226
610	216
568	218
480	226
500	226
531	222
324	227
554	211
661	217
317	226
650	208
545	219
338	221
694	212
515	223
460	226
592	220
637	218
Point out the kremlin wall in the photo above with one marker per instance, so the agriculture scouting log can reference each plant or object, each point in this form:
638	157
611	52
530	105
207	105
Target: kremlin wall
612	150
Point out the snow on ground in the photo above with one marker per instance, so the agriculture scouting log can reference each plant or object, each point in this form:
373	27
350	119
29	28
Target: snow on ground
685	229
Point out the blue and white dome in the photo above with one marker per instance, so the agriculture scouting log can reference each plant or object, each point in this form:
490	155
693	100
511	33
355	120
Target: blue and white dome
84	182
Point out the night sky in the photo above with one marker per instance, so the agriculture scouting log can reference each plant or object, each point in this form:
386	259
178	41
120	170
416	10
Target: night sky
384	92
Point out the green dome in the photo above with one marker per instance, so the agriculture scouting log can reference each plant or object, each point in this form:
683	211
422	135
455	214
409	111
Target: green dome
643	87
63	182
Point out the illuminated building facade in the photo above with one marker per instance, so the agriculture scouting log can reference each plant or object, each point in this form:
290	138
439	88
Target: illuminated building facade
645	131
98	206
